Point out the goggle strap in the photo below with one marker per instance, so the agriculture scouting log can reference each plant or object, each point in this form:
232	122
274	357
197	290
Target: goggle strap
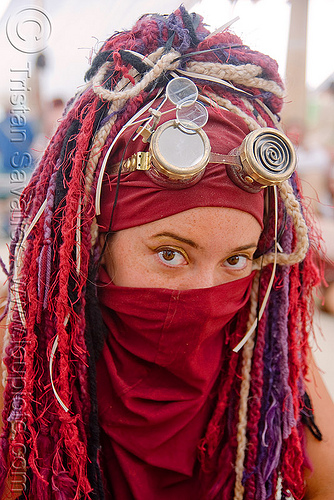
226	159
142	161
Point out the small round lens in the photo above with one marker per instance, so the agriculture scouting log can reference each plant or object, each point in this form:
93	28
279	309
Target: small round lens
182	91
192	117
180	149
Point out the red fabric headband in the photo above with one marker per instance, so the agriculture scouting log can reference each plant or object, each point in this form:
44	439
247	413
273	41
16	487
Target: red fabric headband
141	201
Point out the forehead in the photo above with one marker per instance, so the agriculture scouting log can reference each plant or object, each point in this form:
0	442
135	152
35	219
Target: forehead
205	226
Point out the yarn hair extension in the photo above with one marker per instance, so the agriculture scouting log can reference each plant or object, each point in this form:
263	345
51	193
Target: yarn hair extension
257	420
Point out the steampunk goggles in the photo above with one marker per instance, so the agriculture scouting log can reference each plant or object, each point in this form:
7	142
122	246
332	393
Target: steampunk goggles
180	150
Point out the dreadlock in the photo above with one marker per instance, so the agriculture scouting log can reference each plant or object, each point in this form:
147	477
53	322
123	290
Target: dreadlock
55	325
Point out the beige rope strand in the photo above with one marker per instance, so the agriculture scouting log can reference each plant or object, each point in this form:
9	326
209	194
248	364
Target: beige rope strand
250	107
244	393
95	154
294	210
94	232
245	74
302	244
166	62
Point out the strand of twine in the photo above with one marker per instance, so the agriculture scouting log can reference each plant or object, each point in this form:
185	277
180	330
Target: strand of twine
222	102
245	74
302	244
248	105
95	154
94	232
244	393
167	61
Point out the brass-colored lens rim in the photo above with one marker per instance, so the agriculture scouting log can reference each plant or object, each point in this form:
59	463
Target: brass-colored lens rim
258	172
167	168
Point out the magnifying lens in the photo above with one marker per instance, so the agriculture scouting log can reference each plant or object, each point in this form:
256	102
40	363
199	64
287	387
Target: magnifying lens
181	91
193	116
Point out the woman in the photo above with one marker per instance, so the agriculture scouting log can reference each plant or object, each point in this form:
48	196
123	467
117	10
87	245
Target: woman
158	343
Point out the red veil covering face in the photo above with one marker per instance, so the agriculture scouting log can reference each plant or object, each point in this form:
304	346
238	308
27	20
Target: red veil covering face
244	409
157	383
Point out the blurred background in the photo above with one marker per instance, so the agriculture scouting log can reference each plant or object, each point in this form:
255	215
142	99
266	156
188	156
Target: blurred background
45	51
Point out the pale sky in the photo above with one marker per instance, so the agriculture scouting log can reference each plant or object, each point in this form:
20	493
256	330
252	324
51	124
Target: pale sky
79	25
264	26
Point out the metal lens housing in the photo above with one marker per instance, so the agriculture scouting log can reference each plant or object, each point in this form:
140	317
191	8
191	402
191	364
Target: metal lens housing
179	153
268	156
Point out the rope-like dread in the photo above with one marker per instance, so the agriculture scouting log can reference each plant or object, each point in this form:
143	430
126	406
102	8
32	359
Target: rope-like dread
56	252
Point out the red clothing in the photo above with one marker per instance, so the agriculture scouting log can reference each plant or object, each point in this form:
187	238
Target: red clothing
155	380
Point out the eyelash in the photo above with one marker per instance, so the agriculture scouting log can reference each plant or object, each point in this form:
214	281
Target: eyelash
159	252
239	256
178	253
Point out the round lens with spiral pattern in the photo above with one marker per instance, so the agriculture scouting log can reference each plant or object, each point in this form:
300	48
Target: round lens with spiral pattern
272	153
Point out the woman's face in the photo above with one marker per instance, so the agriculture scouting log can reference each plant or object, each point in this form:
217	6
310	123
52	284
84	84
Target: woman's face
198	248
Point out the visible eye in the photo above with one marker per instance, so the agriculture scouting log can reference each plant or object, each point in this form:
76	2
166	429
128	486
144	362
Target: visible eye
236	262
171	257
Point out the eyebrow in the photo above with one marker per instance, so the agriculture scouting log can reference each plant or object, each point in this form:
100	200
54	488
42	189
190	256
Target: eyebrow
245	247
176	237
191	243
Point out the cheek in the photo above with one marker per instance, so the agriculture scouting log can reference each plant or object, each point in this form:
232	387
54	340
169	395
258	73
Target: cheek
127	265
